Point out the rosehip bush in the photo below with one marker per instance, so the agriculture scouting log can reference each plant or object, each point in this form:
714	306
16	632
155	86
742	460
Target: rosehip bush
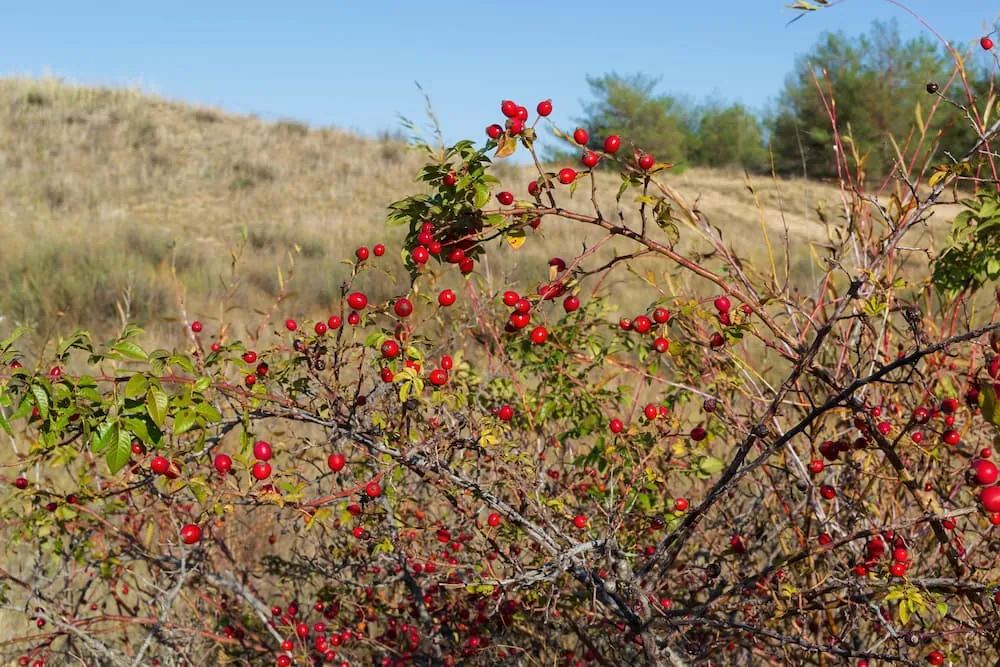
750	470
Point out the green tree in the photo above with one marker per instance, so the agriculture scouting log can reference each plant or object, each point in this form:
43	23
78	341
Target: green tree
878	80
629	106
729	136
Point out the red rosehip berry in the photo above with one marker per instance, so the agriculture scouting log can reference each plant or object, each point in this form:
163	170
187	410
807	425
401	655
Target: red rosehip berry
420	255
580	136
508	108
580	521
505	198
262	450
646	161
261	470
334	322
589	159
986	43
196	326
191	534
438	377
539	335
494	131
223	463
446	298
361	253
567	175
357	300
571	303
612	144
378	250
403	307
616	426
373	490
544	108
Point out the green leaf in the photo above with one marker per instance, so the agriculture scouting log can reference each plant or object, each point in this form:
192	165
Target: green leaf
183	421
41	399
201	384
710	465
130	350
4	424
136	386
107	433
156	406
120	450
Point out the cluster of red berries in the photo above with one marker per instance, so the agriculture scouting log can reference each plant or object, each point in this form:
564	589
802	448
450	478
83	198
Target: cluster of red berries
521	317
643	324
455	252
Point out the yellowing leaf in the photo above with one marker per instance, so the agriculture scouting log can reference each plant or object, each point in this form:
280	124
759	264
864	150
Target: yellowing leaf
506	146
516	238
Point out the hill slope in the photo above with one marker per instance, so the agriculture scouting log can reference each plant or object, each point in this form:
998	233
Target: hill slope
101	188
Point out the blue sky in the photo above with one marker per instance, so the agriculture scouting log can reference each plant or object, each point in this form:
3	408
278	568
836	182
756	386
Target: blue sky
353	64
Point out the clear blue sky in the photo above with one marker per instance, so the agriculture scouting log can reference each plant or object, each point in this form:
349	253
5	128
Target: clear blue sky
352	64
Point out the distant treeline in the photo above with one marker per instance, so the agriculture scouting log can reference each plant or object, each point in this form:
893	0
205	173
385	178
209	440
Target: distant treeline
879	81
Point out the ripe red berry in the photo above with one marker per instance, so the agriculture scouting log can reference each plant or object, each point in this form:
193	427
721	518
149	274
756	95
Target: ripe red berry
262	450
612	144
522	306
722	304
510	298
949	405
373	490
661	345
828	492
580	521
446	298
159	465
505	412
698	434
650	411
986	43
990	498
897	569
403	307
261	470
420	255
567	175
717	341
191	534
985	472
390	349
952	437
250	356
816	466
571	303
936	657
466	266
516	126
378	250
438	377
494	131
544	108
580	136
680	504
196	326
661	315
361	253
446	363
646	161
334	322
223	463
642	324
539	335
21	483
450	178
508	108
921	415
357	300
505	198
616	426
589	159
493	520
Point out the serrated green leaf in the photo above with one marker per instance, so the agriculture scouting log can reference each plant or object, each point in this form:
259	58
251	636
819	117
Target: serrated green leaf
136	386
130	350
183	421
106	434
201	384
156	405
120	450
41	399
710	465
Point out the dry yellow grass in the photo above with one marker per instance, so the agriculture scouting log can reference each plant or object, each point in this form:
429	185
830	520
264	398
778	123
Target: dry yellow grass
102	188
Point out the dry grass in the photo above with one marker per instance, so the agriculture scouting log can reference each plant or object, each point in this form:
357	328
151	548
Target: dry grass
101	189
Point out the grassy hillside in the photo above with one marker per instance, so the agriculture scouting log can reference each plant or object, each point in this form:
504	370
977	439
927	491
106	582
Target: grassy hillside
102	190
